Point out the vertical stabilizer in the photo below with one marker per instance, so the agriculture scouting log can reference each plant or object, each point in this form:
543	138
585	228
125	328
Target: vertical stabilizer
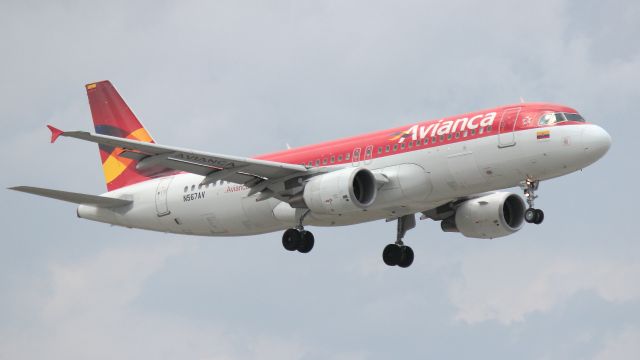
112	116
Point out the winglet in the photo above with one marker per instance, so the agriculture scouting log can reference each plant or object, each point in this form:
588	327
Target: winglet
54	133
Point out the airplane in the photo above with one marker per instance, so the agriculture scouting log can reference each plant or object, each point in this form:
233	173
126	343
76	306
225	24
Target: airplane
453	170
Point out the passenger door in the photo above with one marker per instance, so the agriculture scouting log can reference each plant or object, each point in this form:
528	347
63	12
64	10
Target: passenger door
506	135
162	208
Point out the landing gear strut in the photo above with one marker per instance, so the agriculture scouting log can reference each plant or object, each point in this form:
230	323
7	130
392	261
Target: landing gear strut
532	215
298	238
399	253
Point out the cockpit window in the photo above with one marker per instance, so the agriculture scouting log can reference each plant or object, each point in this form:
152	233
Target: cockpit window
573	117
554	118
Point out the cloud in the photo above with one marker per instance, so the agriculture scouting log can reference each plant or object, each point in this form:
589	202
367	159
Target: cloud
244	78
91	312
622	346
508	286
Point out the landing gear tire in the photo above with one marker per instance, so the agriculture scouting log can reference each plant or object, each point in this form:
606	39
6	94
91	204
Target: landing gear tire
530	215
406	258
535	216
400	255
300	240
539	217
391	255
306	241
291	239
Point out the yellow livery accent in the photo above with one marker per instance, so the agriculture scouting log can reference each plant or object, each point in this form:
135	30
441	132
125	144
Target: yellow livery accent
140	135
112	168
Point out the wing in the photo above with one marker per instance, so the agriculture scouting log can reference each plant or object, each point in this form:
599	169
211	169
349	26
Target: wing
76	198
259	175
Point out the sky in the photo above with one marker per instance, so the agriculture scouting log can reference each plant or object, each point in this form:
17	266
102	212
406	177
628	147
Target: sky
249	77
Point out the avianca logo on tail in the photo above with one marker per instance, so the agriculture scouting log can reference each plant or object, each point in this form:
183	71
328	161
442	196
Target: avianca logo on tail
442	127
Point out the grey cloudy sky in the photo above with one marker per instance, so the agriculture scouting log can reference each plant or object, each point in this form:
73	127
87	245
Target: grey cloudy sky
247	77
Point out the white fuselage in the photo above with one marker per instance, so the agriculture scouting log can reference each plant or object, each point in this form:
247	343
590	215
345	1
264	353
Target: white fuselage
419	180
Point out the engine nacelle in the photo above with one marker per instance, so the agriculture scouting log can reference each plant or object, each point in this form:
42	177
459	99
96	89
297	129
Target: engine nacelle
341	191
487	217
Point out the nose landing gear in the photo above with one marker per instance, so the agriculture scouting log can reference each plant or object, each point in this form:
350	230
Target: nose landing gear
399	253
532	215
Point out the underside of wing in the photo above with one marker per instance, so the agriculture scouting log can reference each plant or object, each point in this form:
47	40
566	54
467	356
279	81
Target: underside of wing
72	197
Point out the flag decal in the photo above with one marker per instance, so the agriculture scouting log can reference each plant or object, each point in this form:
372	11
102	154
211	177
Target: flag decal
545	134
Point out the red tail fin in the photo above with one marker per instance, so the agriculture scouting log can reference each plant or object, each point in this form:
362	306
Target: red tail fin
112	116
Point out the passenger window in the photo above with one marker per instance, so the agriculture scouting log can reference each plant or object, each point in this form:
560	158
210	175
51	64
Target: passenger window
347	156
333	159
411	144
193	187
457	135
199	186
310	163
387	148
434	140
489	128
186	188
449	137
324	161
473	132
441	137
339	157
426	140
379	149
395	147
465	133
402	146
317	162
481	131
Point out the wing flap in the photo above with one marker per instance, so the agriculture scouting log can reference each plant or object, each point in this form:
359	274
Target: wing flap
72	197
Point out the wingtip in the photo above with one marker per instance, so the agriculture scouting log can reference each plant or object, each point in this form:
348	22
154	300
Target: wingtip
55	133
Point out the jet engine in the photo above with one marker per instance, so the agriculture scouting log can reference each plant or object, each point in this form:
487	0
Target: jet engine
487	217
341	191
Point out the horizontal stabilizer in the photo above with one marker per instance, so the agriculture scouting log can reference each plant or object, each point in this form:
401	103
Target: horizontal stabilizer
77	198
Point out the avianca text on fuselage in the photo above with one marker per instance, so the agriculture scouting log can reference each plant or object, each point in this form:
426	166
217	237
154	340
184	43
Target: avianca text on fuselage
456	177
446	127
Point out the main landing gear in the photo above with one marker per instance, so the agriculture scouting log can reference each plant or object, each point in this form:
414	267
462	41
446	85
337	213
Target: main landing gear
532	215
298	238
399	253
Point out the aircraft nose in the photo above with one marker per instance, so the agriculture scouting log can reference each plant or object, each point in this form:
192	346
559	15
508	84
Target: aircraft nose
596	141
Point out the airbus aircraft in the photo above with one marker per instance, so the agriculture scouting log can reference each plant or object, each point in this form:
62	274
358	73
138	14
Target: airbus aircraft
450	170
